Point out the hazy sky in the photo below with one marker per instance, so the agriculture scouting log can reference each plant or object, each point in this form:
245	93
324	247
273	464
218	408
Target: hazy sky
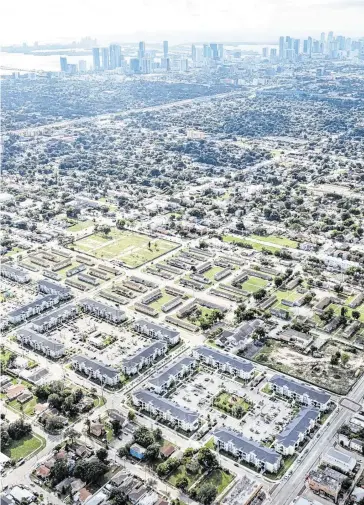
177	20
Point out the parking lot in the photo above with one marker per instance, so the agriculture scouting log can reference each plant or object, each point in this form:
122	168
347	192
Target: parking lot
264	420
79	335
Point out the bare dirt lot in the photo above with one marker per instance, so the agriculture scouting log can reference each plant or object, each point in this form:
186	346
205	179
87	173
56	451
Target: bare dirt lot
336	368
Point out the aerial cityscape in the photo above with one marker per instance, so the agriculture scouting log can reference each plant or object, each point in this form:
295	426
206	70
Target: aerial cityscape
182	271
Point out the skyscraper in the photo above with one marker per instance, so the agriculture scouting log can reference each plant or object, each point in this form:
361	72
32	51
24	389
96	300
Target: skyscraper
193	53
305	46
82	65
165	48
214	51
296	46
134	65
282	48
265	52
309	45
96	58
221	51
115	56
141	52
206	51
105	58
63	63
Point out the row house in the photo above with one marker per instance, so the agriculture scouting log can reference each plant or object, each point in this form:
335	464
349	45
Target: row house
102	310
145	357
302	393
53	288
288	441
95	370
263	458
14	274
225	362
40	343
157	331
170	375
187	420
31	309
57	317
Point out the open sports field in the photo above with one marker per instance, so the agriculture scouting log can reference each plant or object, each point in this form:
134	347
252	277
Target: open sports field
130	247
253	284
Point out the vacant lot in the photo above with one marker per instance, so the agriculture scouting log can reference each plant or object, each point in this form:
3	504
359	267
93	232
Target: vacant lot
129	247
219	478
250	243
81	225
19	449
271	239
337	377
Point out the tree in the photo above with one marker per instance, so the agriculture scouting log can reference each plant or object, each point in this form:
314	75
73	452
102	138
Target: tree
72	434
116	426
55	401
59	471
143	436
131	415
355	314
182	482
90	471
54	423
158	434
338	288
120	224
206	458
102	454
19	429
117	497
4	438
260	294
344	358
278	281
206	494
152	452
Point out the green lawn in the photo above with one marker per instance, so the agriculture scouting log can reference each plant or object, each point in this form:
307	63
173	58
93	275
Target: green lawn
161	301
287	462
210	444
337	310
63	271
4	356
253	284
182	472
248	241
219	479
226	402
132	248
19	449
211	273
28	407
81	225
282	241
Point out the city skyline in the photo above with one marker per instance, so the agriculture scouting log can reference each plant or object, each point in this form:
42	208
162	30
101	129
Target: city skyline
185	21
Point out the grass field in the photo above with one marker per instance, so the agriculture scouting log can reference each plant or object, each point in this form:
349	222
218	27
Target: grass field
282	241
28	407
253	284
210	273
337	310
182	472
132	248
219	479
81	225
19	449
227	403
158	303
250	242
63	271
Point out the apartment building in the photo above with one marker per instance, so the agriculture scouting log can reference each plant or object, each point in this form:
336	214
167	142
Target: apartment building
40	343
326	482
302	393
164	380
186	419
263	458
96	370
157	331
31	309
102	310
57	317
14	274
145	357
53	288
224	361
296	431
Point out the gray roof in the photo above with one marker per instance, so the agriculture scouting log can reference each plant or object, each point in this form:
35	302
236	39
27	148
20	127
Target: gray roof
334	456
157	327
248	446
173	370
34	303
246	329
36	337
101	306
290	333
95	365
53	285
53	315
165	405
317	395
300	424
13	270
223	357
146	352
